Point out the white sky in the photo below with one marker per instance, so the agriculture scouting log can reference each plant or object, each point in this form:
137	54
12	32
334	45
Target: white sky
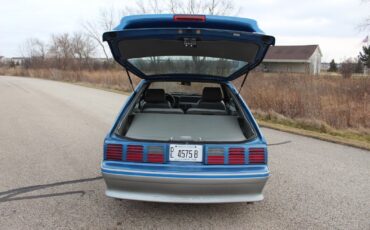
330	23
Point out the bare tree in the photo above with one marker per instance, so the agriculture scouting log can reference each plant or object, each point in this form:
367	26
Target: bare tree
148	7
35	51
33	47
77	44
109	17
347	68
62	50
175	7
365	25
82	48
210	7
92	30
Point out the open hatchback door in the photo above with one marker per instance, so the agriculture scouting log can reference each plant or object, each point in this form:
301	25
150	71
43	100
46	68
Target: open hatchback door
188	47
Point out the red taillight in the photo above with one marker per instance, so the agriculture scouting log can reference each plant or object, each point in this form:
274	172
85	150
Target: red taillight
134	153
215	156
155	158
189	18
256	156
216	160
155	154
113	152
236	156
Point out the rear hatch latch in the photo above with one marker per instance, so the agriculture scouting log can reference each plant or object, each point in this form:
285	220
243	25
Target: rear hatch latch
190	42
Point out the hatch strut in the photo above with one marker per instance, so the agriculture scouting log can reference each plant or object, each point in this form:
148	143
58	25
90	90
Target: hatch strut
241	86
129	78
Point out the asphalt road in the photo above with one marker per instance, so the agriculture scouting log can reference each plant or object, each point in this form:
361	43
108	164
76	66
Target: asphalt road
51	136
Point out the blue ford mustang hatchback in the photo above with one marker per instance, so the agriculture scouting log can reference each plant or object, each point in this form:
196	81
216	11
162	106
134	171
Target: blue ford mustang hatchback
185	135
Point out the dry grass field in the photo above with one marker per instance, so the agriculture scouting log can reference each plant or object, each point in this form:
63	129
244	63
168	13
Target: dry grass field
327	104
341	103
112	79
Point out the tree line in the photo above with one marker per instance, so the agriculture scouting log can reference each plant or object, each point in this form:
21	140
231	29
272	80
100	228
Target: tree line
79	50
63	51
350	66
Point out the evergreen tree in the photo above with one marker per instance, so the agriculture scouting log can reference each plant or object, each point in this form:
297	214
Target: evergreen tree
365	56
359	68
333	66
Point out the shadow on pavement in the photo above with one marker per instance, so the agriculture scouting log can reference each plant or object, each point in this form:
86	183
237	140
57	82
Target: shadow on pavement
7	196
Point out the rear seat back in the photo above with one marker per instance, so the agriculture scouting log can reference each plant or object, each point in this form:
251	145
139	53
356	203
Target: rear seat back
211	103
155	98
211	99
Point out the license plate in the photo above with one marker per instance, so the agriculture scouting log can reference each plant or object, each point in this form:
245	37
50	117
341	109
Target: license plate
188	153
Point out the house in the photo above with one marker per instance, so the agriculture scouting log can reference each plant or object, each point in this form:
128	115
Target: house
18	60
293	59
2	59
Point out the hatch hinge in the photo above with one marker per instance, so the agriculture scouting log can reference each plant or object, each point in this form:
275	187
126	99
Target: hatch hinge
241	86
130	80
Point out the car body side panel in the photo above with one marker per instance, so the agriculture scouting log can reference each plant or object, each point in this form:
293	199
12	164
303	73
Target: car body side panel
248	112
126	105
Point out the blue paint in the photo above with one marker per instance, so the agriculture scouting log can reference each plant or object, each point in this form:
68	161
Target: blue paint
166	21
184	171
164	175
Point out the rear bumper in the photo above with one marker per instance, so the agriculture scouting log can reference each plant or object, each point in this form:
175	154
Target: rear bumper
160	184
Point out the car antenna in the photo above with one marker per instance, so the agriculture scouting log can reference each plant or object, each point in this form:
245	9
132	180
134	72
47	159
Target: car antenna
241	86
129	78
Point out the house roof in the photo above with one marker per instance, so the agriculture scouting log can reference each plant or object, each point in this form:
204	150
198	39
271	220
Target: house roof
291	52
